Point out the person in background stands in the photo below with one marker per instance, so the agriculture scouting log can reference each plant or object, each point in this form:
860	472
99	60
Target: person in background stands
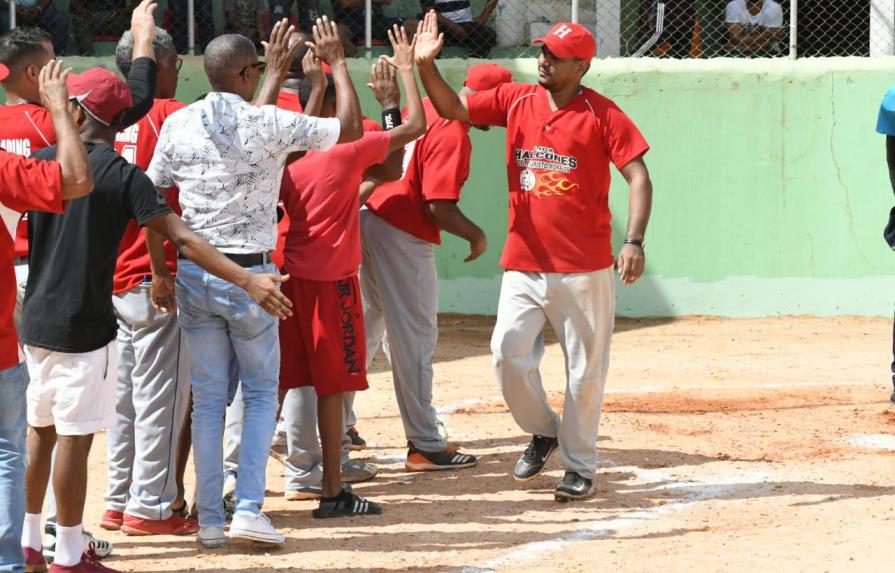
461	28
246	18
41	14
92	17
755	27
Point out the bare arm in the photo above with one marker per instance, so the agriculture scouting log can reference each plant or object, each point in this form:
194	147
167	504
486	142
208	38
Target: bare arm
263	288
162	291
77	179
486	12
313	69
402	60
328	47
428	44
448	216
366	189
631	259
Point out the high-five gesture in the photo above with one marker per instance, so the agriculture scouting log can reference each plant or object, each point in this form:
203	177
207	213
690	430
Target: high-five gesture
51	83
313	69
384	83
143	28
402	49
327	45
281	48
428	40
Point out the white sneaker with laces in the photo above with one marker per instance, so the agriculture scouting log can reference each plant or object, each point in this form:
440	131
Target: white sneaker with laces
211	536
255	528
101	547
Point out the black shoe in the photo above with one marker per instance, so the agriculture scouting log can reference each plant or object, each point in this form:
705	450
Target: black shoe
447	459
357	442
573	486
346	504
532	461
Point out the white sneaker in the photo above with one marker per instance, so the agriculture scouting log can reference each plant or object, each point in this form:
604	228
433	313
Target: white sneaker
101	547
356	471
255	528
211	536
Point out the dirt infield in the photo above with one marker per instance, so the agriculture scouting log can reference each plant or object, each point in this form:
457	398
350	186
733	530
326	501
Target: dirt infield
726	445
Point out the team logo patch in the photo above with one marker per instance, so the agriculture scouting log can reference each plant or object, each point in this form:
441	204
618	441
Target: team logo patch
527	180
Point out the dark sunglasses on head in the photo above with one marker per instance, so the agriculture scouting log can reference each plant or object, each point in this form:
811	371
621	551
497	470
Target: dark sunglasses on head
260	66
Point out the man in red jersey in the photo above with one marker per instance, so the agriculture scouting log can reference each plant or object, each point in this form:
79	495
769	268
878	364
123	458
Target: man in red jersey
25	127
561	138
401	224
29	184
153	370
323	342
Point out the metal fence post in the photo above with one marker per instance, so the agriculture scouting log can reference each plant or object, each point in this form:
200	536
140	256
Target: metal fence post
12	14
368	28
575	11
191	26
793	29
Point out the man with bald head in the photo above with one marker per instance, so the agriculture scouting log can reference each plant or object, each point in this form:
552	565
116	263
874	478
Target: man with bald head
226	156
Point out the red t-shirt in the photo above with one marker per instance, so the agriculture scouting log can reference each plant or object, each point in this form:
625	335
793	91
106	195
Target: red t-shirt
24	129
288	101
24	184
435	167
137	144
558	171
320	193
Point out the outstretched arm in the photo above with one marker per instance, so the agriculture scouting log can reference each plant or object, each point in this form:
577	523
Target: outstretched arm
328	47
631	258
448	216
402	60
263	288
278	54
428	44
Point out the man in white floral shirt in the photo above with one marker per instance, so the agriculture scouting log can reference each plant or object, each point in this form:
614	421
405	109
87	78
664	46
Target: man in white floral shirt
226	156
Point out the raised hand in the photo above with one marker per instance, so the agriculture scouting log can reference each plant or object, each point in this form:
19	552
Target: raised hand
384	83
279	51
313	69
402	49
143	21
428	40
51	83
327	44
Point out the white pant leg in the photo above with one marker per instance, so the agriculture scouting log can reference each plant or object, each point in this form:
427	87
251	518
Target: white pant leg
518	347
581	309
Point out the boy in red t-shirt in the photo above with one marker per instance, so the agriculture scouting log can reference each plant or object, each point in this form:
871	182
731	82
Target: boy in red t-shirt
561	138
323	342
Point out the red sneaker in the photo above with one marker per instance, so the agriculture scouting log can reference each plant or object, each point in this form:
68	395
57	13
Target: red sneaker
88	564
174	525
111	520
34	560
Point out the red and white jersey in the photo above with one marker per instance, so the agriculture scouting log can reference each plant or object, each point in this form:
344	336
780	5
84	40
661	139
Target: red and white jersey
24	129
137	144
558	172
435	167
25	184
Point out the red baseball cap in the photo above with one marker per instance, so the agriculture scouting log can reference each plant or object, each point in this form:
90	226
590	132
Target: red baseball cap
568	40
4	72
481	77
103	94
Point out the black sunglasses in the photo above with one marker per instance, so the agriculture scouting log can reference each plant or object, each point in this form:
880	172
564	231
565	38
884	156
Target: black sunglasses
260	66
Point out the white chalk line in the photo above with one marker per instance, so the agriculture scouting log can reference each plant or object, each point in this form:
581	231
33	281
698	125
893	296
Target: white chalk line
454	407
873	441
598	529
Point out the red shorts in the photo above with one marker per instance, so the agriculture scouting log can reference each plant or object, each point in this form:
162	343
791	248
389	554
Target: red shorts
323	344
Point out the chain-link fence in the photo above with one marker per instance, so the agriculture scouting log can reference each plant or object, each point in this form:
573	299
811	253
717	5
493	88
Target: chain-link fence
499	28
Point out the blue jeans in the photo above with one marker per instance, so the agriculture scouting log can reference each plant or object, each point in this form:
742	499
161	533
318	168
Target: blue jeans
13	384
223	324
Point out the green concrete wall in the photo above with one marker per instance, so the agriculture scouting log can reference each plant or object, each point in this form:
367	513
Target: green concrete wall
771	190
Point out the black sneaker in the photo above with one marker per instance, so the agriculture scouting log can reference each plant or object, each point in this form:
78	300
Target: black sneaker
357	442
446	459
532	461
346	504
573	486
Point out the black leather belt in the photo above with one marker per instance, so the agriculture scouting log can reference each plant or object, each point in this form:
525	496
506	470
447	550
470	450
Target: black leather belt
243	260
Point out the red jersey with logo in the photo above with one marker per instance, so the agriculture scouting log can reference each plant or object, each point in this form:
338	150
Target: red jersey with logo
137	144
435	167
24	129
25	184
558	171
320	193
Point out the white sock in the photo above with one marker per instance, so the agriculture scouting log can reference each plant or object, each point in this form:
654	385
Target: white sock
69	545
32	536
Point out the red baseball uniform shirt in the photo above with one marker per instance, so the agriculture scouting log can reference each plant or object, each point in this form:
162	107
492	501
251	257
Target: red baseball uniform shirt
25	184
24	129
320	193
558	172
137	144
435	167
